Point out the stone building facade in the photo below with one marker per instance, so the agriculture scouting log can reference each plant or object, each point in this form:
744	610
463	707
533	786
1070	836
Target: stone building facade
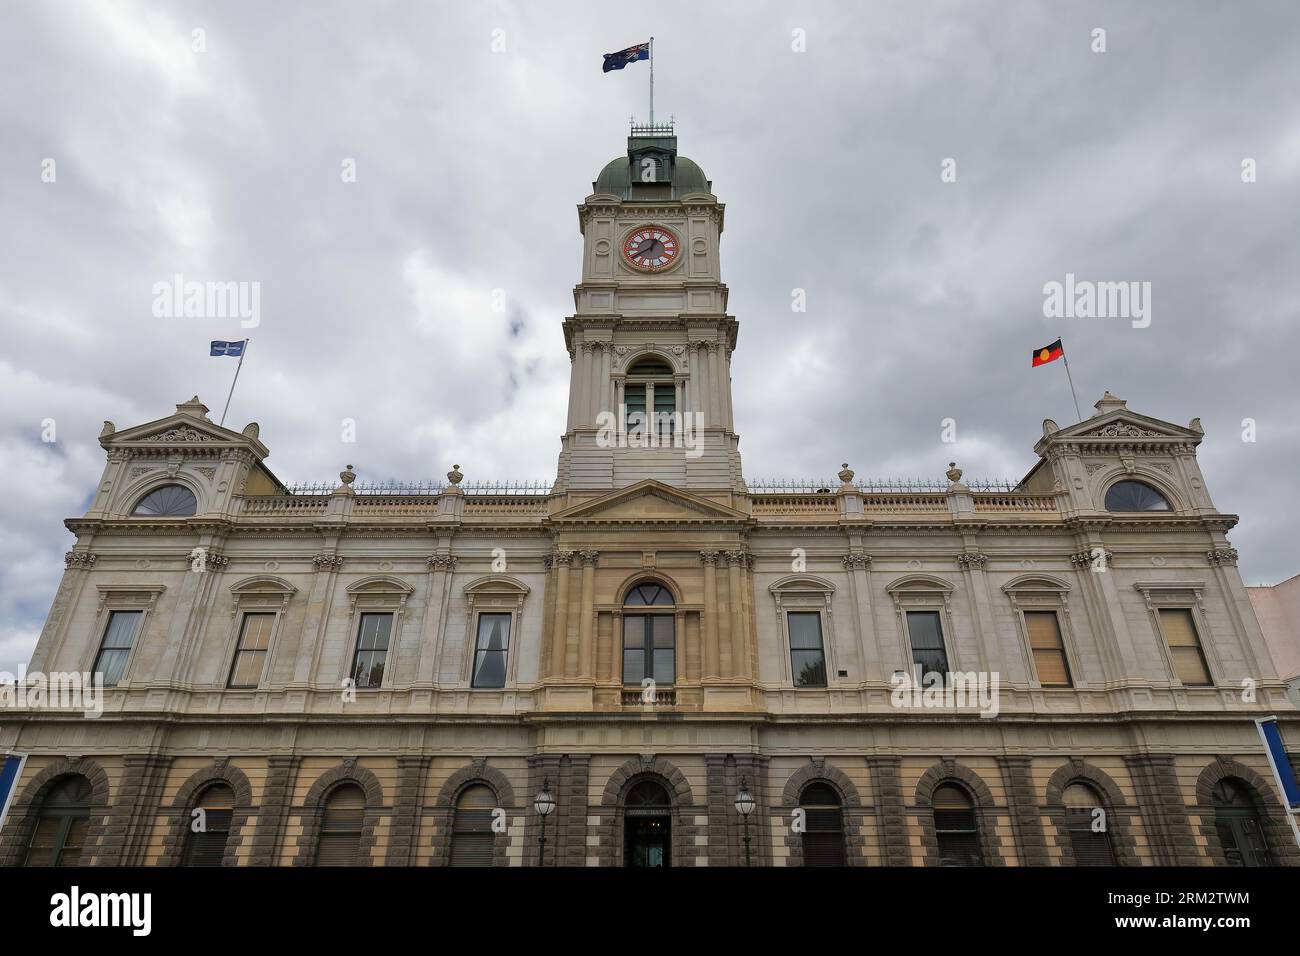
390	675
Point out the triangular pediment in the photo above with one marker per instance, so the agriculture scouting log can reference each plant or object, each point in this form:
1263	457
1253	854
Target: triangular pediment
649	501
1115	422
188	426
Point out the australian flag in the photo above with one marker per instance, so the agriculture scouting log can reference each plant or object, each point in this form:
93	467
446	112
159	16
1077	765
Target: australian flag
227	348
616	61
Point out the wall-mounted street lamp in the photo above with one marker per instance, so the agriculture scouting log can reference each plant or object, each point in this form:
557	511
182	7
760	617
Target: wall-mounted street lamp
543	803
745	806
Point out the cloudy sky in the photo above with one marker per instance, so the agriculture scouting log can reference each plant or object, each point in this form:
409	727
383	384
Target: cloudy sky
475	129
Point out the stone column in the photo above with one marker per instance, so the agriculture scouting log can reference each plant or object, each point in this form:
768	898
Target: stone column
135	801
891	812
404	823
711	649
1164	814
560	636
277	796
1026	816
739	646
586	623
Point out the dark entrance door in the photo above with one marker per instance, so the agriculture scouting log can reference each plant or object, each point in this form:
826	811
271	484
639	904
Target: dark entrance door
647	826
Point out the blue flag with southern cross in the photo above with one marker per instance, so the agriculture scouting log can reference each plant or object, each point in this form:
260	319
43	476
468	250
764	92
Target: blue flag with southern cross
227	348
616	61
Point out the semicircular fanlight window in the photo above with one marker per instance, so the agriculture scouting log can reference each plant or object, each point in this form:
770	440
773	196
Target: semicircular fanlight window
169	501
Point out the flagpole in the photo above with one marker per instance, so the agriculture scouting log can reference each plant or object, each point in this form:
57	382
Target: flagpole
1070	378
232	384
652	81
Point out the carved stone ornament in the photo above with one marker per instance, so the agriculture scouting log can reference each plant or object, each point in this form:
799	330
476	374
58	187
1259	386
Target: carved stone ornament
971	559
856	562
455	476
1083	559
1222	556
564	557
442	562
181	433
82	560
589	557
709	557
954	473
1123	430
327	562
846	473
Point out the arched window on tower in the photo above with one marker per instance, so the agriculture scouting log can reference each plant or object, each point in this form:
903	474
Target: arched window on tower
167	501
1134	496
650	400
823	835
61	827
1089	825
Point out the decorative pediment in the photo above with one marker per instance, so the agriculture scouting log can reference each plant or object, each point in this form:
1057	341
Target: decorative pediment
189	426
1115	424
649	501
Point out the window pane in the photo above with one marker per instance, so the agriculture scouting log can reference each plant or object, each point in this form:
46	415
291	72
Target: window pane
1184	646
634	631
926	635
247	671
664	666
1048	648
805	630
493	632
662	625
633	666
809	668
372	650
489	669
250	656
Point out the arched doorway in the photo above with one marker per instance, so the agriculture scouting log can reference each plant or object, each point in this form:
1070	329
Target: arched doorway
1087	821
1236	820
647	826
206	846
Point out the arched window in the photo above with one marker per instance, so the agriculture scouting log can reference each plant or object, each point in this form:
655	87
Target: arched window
1134	496
1089	825
647	825
206	846
650	397
955	827
649	635
167	501
823	835
1236	819
61	827
472	839
340	827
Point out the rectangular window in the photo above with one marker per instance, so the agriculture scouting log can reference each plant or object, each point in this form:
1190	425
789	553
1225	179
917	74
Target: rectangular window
372	649
490	650
807	656
1048	648
1184	647
250	655
649	649
634	402
665	406
925	632
119	638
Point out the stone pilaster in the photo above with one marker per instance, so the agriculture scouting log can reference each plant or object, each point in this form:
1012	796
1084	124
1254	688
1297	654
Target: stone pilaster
1164	814
891	812
1026	816
277	792
136	802
403	826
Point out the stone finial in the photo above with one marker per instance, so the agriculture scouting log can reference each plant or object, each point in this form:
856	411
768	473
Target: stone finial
107	430
954	473
251	430
1195	425
346	477
846	474
1050	428
1109	403
454	476
194	408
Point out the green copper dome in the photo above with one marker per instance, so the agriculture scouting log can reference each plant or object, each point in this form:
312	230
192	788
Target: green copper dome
686	178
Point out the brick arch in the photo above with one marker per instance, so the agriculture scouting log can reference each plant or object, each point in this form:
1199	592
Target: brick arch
852	811
443	812
314	806
681	798
986	810
1119	815
26	808
1277	832
178	817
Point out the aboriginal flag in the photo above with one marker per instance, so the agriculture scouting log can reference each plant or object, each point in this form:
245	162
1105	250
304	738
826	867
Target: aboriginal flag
1048	353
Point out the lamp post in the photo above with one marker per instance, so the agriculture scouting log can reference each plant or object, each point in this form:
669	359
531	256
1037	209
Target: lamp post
745	806
543	803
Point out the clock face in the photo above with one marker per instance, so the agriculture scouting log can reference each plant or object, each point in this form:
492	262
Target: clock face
651	249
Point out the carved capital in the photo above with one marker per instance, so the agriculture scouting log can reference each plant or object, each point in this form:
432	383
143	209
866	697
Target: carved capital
442	562
1222	556
1083	559
589	557
709	557
564	558
82	560
327	562
856	562
971	559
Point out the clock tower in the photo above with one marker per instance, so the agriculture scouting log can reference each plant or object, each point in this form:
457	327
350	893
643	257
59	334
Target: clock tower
650	339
